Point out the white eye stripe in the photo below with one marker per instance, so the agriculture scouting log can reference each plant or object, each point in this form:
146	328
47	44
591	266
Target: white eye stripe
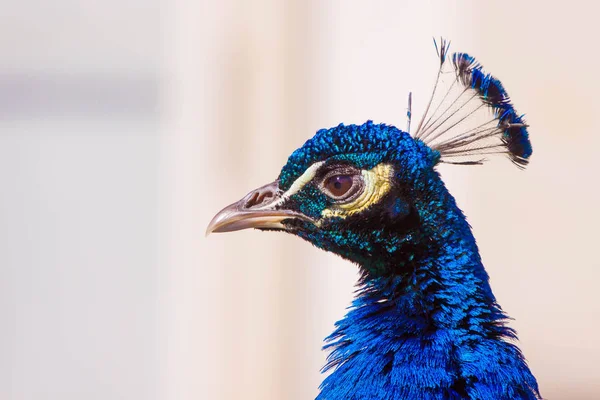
306	177
298	184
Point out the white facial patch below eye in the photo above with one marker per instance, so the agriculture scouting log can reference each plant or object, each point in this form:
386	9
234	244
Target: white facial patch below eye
377	183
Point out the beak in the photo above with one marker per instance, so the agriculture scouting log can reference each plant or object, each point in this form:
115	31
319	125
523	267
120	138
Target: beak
255	210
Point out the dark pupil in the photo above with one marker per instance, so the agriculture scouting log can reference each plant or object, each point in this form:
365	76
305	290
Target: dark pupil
338	185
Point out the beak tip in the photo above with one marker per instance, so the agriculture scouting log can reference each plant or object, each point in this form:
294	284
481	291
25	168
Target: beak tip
212	227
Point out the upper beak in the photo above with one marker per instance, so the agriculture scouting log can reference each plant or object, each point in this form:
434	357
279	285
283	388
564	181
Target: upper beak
255	210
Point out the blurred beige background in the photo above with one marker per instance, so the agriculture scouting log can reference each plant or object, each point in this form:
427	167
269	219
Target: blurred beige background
124	126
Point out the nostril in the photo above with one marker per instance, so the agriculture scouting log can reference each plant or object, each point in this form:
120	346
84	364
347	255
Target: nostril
258	198
262	197
252	200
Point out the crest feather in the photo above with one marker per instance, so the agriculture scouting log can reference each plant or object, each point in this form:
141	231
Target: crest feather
455	127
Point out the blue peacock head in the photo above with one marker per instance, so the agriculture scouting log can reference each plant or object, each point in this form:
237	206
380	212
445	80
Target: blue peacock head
370	193
356	186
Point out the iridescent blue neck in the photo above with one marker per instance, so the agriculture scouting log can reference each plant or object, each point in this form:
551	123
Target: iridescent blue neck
432	330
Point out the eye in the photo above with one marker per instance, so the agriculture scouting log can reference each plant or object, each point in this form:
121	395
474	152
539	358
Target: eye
339	185
343	184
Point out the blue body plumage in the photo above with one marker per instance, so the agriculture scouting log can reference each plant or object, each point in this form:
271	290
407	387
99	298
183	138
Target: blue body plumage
425	323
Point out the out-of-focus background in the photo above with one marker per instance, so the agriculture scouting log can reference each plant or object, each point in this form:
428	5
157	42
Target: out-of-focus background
125	125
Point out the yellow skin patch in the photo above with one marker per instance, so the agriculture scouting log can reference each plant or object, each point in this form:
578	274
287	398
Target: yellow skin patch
377	183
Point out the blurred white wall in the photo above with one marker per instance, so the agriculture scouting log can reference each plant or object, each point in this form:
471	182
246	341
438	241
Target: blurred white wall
124	126
79	86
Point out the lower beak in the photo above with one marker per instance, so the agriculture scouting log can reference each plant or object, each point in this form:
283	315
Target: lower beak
255	210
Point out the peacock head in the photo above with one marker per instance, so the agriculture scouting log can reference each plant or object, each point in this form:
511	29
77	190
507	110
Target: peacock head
370	193
350	189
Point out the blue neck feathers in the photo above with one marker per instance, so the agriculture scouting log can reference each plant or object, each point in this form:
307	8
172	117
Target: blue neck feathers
430	329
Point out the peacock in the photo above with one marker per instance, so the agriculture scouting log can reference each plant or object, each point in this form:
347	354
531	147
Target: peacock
424	323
